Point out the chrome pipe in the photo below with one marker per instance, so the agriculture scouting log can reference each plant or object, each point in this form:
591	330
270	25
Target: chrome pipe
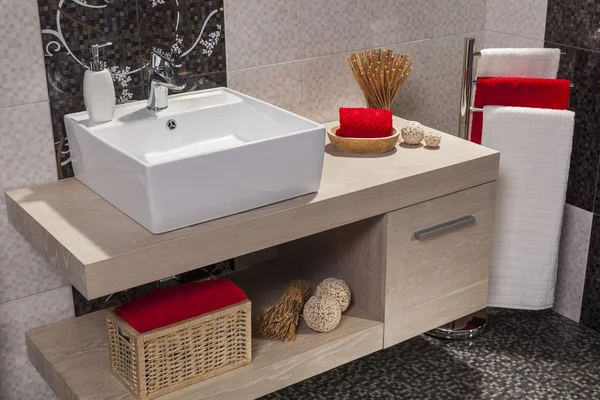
467	89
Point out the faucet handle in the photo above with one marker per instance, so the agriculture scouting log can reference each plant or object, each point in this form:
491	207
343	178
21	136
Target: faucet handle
165	53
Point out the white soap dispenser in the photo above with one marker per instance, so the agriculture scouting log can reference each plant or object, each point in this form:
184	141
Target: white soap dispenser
98	89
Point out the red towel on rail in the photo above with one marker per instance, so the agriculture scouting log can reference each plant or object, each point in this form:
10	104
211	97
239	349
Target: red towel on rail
518	92
172	304
365	123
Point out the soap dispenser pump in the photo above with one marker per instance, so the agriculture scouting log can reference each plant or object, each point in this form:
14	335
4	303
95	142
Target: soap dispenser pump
98	89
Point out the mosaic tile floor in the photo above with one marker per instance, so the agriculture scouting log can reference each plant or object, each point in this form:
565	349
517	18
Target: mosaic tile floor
524	355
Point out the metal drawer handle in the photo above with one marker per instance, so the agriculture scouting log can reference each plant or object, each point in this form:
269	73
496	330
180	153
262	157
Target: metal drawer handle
445	227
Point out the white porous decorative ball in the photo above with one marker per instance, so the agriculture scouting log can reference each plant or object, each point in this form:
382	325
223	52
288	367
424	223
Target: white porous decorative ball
432	139
322	314
412	133
336	288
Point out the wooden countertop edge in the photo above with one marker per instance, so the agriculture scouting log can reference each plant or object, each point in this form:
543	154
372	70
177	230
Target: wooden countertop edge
51	248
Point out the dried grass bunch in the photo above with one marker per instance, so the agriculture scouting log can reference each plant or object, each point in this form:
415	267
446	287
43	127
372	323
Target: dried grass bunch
380	75
280	321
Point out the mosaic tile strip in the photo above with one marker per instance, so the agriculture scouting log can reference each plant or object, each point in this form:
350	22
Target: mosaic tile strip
582	68
193	28
574	23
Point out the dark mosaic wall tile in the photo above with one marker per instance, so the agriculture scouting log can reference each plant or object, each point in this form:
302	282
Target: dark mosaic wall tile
193	28
574	23
68	29
208	81
590	308
582	68
575	27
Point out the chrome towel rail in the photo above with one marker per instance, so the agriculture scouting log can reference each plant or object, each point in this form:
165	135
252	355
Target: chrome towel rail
466	96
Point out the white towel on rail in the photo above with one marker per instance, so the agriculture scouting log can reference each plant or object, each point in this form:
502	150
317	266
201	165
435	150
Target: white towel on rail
535	151
523	63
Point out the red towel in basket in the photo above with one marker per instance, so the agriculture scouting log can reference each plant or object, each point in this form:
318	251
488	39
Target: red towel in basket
172	304
518	92
365	123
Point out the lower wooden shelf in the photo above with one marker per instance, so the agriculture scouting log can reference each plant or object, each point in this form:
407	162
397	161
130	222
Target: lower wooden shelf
72	355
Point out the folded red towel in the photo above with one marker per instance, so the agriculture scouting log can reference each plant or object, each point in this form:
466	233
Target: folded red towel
365	123
518	92
172	304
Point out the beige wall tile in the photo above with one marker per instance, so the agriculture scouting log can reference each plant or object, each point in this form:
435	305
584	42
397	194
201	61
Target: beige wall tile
27	151
334	26
445	78
525	18
261	32
572	261
279	84
411	101
23	77
327	85
450	17
19	378
400	21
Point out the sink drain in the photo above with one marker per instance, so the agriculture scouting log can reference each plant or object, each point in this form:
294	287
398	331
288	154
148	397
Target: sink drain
171	124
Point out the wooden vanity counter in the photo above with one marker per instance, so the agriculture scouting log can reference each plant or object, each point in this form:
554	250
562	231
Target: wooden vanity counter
410	232
99	250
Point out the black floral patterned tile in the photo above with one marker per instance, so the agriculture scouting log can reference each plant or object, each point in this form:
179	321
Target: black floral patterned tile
194	30
582	68
590	308
574	23
68	30
208	81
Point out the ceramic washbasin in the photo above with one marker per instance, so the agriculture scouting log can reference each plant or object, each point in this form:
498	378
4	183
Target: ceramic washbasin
210	154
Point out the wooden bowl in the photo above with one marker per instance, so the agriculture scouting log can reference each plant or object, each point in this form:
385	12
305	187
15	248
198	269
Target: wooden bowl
363	146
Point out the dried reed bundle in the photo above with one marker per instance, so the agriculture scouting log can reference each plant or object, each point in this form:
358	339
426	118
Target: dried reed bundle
380	75
280	321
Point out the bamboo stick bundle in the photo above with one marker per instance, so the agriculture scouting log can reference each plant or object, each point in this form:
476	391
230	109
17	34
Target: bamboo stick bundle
380	75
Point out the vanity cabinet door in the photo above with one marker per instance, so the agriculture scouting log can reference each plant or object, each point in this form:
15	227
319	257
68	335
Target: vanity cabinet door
438	261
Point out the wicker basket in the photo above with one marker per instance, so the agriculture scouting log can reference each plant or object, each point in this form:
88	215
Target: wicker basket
163	360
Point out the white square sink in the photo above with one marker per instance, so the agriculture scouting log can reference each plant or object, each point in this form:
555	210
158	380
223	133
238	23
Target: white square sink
228	153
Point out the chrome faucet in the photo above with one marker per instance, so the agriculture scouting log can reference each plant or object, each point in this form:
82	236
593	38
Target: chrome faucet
162	76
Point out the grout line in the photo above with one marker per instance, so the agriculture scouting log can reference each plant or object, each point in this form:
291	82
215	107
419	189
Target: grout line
573	47
328	55
6	303
545	41
301	3
512	34
359	49
26	104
